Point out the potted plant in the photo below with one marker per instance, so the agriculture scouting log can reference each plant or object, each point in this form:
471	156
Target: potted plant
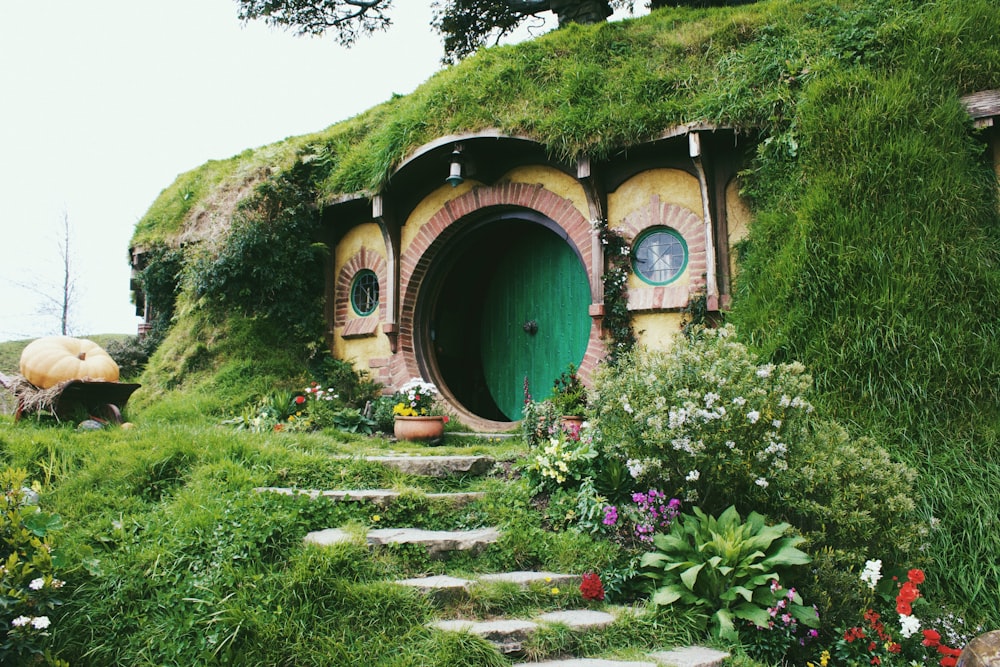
569	397
416	415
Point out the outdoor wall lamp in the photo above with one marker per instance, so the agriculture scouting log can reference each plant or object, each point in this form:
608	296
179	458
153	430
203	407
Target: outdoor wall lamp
455	177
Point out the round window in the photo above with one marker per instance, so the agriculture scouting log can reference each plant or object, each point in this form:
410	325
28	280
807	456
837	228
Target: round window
660	256
364	292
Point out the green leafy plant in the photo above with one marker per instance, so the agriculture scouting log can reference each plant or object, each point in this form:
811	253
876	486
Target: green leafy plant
725	568
565	460
539	420
569	396
29	590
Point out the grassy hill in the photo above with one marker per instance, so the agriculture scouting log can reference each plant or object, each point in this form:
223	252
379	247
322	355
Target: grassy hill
873	256
873	259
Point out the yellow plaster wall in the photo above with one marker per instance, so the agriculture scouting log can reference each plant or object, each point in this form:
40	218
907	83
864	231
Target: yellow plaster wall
657	331
672	185
360	350
738	220
554	181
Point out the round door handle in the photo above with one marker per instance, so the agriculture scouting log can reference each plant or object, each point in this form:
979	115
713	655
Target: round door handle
531	327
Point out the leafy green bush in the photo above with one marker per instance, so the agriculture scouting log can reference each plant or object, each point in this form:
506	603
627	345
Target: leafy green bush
569	396
355	388
727	569
848	494
132	353
29	590
708	420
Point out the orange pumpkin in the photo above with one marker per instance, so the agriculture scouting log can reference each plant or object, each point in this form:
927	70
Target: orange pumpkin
48	361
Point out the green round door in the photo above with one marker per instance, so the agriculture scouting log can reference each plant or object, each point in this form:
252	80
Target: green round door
535	320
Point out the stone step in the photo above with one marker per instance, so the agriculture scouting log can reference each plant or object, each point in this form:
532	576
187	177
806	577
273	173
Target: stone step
526	578
445	588
587	662
439	543
509	635
437	466
379	497
690	656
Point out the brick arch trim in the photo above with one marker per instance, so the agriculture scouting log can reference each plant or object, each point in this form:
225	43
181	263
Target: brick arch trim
417	258
363	259
658	213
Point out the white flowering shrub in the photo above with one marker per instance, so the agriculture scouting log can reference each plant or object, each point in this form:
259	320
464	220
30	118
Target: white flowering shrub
29	591
705	421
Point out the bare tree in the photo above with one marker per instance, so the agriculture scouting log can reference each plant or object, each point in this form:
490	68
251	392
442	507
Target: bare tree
68	291
58	299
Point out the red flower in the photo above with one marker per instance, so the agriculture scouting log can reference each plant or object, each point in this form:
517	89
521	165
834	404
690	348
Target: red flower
932	638
915	576
908	592
299	400
876	660
895	648
871	616
853	633
948	662
903	608
591	587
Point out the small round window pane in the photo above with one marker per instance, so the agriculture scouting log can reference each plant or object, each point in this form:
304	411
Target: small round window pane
660	256
364	293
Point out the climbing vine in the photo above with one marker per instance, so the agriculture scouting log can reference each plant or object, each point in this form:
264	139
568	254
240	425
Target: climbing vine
617	320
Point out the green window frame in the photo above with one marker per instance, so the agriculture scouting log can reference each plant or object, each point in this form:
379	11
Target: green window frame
364	292
659	255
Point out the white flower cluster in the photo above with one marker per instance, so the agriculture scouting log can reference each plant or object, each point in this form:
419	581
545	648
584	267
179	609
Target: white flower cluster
908	625
39	583
872	573
416	386
36	622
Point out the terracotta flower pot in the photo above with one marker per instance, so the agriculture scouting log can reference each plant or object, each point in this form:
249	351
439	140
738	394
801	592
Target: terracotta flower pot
428	428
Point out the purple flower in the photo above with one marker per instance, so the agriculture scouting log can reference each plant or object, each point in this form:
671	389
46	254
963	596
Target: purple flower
610	515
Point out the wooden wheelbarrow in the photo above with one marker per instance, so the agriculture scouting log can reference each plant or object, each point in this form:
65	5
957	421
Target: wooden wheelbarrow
102	400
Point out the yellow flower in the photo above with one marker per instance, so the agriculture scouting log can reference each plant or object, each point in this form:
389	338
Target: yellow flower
555	591
376	518
824	659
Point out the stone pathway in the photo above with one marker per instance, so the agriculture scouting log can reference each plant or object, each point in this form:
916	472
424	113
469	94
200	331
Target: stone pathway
507	634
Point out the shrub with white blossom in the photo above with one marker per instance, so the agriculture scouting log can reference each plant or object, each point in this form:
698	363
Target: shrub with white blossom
29	591
705	421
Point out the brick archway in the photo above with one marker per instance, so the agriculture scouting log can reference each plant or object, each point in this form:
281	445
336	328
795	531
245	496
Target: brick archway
363	259
417	260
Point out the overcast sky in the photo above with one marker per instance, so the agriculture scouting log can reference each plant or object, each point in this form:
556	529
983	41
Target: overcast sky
103	103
